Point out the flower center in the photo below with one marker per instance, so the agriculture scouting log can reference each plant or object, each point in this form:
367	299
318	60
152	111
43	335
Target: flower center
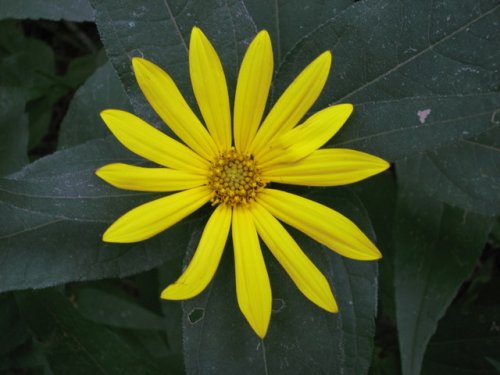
234	178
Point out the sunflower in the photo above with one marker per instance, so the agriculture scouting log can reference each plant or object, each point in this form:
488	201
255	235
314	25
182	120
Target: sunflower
231	164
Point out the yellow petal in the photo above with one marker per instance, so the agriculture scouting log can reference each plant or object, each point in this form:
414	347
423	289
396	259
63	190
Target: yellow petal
154	217
131	177
299	267
254	81
327	167
306	138
293	103
166	99
150	143
210	88
252	282
202	267
319	222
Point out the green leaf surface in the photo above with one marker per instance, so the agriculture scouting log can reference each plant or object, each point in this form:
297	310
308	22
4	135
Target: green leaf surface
464	174
466	343
13	130
26	63
386	49
106	308
14	330
416	77
289	21
82	122
436	248
399	128
159	31
302	338
378	195
75	345
473	347
70	10
57	199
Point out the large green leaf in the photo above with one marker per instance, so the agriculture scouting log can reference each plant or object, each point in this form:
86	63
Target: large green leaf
302	338
14	329
436	248
289	21
159	31
466	342
82	122
472	349
54	213
386	50
395	129
379	197
75	345
13	130
106	308
464	174
71	10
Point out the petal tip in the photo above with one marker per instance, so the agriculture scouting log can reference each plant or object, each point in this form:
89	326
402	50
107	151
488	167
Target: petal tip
168	293
139	63
332	307
260	330
264	35
327	56
99	172
108	236
197	34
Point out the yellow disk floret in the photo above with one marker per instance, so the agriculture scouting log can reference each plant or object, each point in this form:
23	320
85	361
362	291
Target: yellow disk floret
234	178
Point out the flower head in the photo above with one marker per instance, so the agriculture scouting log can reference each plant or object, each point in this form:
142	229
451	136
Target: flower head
231	164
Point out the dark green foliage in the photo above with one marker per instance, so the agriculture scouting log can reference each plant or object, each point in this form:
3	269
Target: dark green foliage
425	81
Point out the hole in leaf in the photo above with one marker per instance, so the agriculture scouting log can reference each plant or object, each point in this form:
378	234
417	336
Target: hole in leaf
196	315
278	305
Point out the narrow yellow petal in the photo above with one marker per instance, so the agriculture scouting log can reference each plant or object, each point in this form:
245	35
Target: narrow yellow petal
252	89
210	88
252	282
308	278
327	167
154	217
150	143
306	138
321	223
202	267
162	93
293	103
132	177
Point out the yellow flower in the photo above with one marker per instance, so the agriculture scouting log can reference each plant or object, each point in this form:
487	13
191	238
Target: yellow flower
233	167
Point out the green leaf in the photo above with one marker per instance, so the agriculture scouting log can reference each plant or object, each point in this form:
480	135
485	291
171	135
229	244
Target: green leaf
14	330
378	195
464	174
416	80
82	122
437	247
302	338
29	64
106	308
289	21
75	345
70	10
466	343
57	200
13	130
159	31
386	50
81	68
26	63
395	129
